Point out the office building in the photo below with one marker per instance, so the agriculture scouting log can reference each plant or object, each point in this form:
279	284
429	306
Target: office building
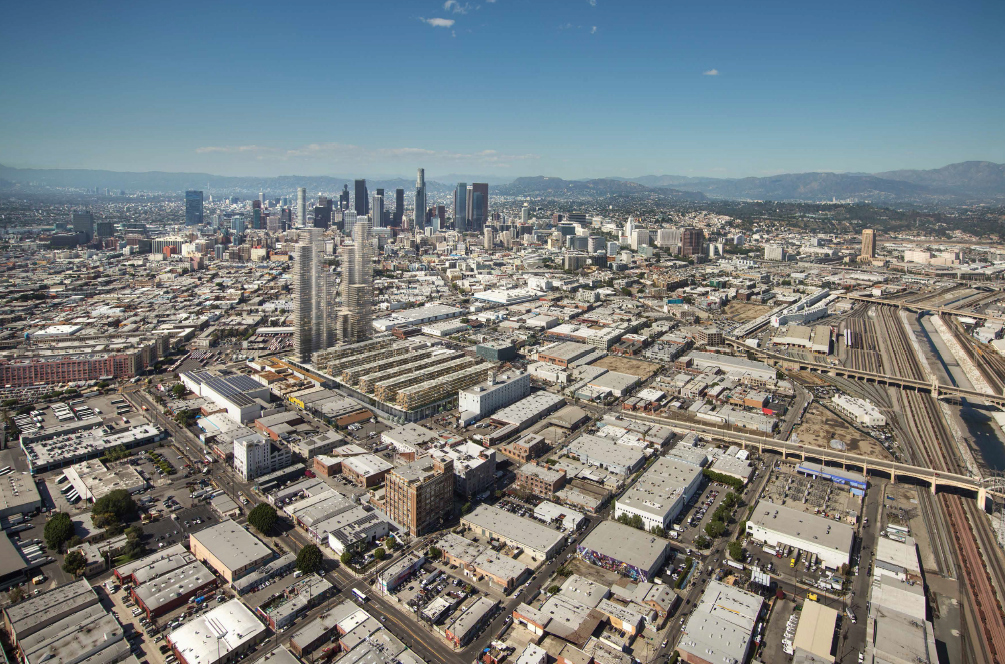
868	244
323	213
399	207
525	214
420	495
83	225
420	199
237	225
302	207
497	392
360	199
460	207
377	209
256	455
691	241
477	206
355	322
313	296
193	208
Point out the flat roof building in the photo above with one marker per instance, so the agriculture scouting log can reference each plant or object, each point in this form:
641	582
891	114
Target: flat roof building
365	470
628	551
229	549
777	524
721	626
419	495
815	632
219	636
607	454
660	494
38	612
18	494
538	540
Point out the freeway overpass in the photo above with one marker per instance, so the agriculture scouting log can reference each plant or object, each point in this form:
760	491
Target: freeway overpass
919	309
936	481
911	384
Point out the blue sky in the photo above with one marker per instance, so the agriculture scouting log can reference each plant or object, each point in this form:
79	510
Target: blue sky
576	88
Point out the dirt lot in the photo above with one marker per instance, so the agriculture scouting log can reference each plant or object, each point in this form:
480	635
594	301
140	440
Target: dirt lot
626	365
820	426
744	311
592	572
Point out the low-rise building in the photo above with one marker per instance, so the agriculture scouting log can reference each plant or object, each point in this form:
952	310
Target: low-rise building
219	636
498	391
365	470
539	480
628	551
229	549
538	540
721	627
775	524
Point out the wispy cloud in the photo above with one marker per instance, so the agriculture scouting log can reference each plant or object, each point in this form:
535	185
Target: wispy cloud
593	3
344	152
439	22
456	7
710	72
593	30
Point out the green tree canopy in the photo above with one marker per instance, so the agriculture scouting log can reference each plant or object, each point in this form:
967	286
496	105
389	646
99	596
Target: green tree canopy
114	506
75	563
715	528
58	530
379	553
178	390
16	594
736	550
390	543
346	557
434	553
309	559
263	518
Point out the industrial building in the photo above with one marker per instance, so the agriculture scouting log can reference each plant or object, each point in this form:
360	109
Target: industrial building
18	495
173	588
855	481
862	411
365	470
564	353
539	480
469	621
355	529
229	549
660	494
605	453
222	635
815	632
92	479
628	551
721	627
241	396
48	453
828	539
36	613
747	371
539	541
419	495
474	467
498	391
255	455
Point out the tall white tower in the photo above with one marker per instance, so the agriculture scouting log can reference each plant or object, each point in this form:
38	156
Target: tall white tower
420	199
356	320
302	207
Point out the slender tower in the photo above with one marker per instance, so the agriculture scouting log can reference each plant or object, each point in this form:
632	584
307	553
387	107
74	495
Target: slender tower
461	207
302	207
356	321
420	200
313	296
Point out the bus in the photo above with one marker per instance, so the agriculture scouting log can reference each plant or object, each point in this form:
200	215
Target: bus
360	596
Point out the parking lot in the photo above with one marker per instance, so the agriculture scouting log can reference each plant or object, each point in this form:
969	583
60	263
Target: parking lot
423	587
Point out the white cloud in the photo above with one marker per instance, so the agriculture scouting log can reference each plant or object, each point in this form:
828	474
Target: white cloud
593	30
593	3
710	72
439	22
347	153
456	7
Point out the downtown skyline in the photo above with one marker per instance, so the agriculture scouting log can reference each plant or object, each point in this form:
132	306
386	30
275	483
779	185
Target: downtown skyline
576	89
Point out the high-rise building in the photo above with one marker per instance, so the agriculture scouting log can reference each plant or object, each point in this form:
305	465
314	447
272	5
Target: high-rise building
256	214
261	199
477	206
343	198
82	222
302	207
489	238
355	322
377	209
525	214
237	224
361	198
399	207
314	302
461	207
868	244
193	208
420	199
420	495
285	219
691	240
323	213
105	229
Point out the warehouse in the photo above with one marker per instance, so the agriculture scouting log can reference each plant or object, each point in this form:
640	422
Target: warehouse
157	564
605	453
628	551
236	630
774	524
36	613
93	479
539	541
92	635
563	354
365	470
614	383
721	627
467	624
660	494
816	629
163	594
862	411
229	549
529	410
497	392
18	495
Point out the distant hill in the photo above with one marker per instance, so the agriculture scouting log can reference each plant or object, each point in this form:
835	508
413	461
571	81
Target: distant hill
551	187
955	183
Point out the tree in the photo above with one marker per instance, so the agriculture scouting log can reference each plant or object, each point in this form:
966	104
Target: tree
58	531
553	589
466	508
701	542
178	391
715	528
134	533
379	553
346	557
390	543
75	563
114	506
309	559
16	594
263	518
736	550
434	553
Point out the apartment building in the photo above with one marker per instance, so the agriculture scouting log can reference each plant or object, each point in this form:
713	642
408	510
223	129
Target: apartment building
419	494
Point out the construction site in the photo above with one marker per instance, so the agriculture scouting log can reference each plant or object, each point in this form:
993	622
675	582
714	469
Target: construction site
407	380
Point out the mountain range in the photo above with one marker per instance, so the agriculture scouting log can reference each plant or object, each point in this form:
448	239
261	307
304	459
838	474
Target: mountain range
964	182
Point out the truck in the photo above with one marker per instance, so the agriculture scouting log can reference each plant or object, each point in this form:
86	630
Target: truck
38	580
851	614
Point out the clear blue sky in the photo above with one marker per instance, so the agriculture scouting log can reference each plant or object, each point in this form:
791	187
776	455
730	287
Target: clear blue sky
572	88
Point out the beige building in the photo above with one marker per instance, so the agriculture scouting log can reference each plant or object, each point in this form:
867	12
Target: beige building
229	549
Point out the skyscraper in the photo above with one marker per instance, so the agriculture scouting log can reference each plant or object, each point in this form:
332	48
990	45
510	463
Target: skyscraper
302	207
525	214
343	198
313	296
356	319
868	245
193	208
377	209
420	199
323	213
478	206
360	199
399	207
261	199
691	240
83	225
256	214
461	207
